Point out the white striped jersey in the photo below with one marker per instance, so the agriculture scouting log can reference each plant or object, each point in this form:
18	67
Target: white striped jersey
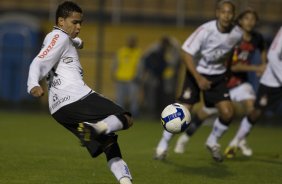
211	48
58	61
272	76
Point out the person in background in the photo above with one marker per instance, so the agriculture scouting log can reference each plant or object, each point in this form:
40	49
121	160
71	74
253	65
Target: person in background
206	56
157	70
239	88
126	75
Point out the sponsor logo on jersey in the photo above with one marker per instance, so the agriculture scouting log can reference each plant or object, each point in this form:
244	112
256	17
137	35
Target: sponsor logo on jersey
57	101
68	60
50	46
56	83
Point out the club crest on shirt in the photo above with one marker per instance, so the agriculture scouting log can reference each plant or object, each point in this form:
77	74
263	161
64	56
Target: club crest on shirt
68	60
263	101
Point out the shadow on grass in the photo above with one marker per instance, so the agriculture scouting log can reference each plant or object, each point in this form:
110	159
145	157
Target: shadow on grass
274	158
212	170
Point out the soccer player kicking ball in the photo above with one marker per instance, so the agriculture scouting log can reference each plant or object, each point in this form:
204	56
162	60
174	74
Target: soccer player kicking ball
210	47
88	115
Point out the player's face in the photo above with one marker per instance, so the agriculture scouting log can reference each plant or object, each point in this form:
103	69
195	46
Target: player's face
71	24
225	15
248	22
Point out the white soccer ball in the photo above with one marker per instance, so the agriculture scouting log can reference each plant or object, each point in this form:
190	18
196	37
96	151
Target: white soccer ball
175	118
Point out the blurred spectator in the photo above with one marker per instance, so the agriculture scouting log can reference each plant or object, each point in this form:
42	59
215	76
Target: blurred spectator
160	64
125	70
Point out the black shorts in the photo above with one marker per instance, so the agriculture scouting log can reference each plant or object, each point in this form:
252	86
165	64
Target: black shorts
268	97
218	92
92	108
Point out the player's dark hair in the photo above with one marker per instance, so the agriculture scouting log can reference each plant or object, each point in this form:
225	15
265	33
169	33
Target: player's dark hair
222	2
65	9
245	12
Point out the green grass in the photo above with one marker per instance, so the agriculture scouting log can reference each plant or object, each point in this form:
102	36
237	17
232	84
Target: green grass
34	149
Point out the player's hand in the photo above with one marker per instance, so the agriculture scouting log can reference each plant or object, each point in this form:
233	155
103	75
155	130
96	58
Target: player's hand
203	83
37	91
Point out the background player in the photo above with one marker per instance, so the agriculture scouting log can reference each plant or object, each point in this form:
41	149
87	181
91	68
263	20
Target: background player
240	90
210	46
269	92
88	115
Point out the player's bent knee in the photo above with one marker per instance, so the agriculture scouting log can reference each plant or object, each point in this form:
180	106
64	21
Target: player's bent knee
227	115
129	120
126	120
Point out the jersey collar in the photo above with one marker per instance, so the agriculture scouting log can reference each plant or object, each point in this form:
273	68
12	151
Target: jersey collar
227	31
57	28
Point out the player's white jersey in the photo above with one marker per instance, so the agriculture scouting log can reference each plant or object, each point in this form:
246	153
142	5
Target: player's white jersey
59	61
210	48
272	76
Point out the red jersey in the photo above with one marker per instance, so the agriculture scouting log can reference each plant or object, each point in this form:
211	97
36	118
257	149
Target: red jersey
243	54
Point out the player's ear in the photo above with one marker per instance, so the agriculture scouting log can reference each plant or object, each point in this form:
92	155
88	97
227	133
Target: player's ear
61	21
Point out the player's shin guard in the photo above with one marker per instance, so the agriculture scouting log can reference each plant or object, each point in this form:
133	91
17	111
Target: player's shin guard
120	170
218	129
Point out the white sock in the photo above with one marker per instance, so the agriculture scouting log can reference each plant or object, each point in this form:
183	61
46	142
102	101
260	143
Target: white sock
183	139
120	170
163	144
125	180
242	132
108	125
217	132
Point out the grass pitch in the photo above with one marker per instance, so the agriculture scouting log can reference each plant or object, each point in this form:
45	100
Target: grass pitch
34	149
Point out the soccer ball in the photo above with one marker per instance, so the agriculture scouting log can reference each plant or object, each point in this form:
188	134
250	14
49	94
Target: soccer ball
175	118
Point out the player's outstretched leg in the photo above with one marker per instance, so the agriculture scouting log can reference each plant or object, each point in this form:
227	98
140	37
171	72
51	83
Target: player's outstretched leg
161	150
239	141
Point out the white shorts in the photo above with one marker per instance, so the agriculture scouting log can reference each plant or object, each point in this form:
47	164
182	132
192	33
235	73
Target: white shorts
242	92
237	94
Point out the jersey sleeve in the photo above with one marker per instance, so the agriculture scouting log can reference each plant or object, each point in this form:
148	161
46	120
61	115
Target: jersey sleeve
275	51
194	42
50	54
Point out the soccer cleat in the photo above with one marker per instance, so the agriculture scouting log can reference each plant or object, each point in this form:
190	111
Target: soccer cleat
160	154
246	150
230	152
215	152
180	144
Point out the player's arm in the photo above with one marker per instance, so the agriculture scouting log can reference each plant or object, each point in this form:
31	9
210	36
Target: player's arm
192	46
46	59
240	67
202	82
